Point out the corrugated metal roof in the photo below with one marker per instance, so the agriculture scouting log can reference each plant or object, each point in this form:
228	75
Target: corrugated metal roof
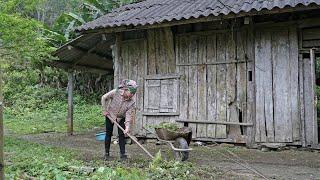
158	11
86	51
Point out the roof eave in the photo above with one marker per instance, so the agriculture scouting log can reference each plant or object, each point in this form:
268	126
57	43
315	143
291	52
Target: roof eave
198	20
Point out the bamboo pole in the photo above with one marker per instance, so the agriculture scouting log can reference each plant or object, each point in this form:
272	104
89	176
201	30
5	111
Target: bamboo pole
70	104
1	130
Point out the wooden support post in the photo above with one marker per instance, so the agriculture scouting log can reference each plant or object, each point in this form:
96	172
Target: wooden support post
251	89
1	131
117	59
313	84
70	103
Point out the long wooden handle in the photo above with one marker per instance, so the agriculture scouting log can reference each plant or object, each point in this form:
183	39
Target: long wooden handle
130	136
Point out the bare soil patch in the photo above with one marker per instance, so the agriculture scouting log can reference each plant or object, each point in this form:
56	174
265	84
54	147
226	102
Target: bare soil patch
286	164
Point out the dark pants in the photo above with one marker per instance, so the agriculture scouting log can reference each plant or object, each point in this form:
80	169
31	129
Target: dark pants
109	130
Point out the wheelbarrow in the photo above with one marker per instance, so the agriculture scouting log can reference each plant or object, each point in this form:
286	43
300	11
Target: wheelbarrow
178	141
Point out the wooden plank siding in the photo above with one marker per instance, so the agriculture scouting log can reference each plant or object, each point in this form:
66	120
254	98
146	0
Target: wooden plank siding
161	62
212	76
276	72
249	110
221	85
249	75
132	65
211	85
310	113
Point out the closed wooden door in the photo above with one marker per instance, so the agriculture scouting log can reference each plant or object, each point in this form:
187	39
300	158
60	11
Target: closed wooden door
213	85
277	85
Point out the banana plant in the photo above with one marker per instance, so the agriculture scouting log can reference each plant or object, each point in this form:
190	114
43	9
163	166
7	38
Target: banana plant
64	26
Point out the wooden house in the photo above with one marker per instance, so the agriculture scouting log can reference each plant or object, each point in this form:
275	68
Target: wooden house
238	71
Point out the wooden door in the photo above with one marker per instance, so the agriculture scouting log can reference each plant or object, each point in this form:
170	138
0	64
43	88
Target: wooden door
213	84
277	85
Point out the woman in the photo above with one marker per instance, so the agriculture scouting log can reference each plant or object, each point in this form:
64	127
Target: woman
122	107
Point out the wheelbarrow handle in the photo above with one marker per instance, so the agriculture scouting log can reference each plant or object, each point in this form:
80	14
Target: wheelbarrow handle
169	142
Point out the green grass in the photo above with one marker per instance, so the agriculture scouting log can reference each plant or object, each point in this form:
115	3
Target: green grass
38	110
53	118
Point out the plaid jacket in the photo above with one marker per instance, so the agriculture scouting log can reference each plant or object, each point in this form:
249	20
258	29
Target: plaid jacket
118	107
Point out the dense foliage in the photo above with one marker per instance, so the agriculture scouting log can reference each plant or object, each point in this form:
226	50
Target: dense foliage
35	95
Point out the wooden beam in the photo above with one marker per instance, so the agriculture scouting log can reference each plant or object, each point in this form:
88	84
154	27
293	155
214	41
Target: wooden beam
159	77
117	58
206	32
1	130
313	84
79	38
215	122
68	66
83	53
215	63
219	140
251	100
160	114
70	103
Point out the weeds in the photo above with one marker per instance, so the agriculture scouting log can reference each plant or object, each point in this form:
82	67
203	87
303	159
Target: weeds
167	125
25	160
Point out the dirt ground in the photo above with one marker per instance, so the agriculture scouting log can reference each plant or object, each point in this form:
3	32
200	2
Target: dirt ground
285	164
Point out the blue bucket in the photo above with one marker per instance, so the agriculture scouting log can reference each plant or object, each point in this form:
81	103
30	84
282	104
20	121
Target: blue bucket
101	136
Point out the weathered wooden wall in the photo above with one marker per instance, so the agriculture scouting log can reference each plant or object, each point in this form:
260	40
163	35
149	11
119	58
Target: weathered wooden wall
131	59
308	113
277	100
149	55
161	85
219	79
213	86
161	54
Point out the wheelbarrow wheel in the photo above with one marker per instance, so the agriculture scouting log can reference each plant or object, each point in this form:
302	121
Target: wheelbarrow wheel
181	143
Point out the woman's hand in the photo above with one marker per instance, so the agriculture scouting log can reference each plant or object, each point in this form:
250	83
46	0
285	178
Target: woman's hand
105	113
126	131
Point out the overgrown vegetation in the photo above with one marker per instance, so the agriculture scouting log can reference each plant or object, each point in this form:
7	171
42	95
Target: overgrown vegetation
161	169
32	107
28	160
34	94
167	125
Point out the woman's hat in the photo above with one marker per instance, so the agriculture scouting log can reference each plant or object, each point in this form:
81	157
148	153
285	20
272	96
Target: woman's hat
131	85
